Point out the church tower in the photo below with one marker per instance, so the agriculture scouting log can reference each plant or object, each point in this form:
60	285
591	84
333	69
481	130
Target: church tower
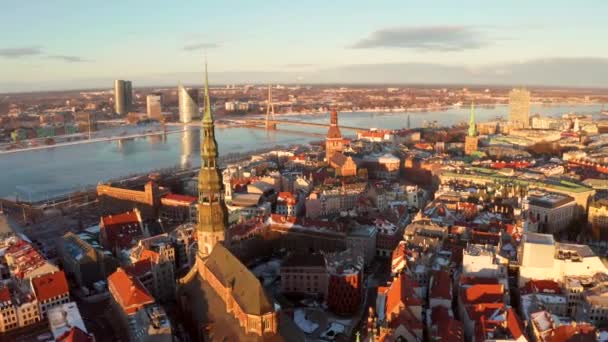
471	140
212	218
333	141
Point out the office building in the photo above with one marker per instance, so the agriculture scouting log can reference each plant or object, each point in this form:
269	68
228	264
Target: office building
123	96
188	103
519	108
153	104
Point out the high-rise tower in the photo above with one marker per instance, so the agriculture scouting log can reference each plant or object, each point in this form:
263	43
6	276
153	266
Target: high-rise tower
123	96
153	106
333	141
212	218
519	108
471	141
188	103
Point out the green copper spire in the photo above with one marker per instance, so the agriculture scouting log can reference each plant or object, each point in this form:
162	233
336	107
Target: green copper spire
472	130
207	117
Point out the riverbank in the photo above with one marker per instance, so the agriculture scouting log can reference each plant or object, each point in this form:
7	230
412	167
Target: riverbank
89	141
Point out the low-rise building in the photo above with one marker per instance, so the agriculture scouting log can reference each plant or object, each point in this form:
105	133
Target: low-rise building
361	239
545	327
305	274
18	307
118	232
178	208
24	261
143	319
85	262
593	307
553	211
598	219
543	295
483	261
153	263
385	166
288	204
51	290
63	318
345	284
541	258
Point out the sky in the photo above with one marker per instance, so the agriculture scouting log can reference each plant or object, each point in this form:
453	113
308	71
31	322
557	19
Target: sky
72	44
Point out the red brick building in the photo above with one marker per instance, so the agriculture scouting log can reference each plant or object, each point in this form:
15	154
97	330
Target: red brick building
240	290
345	288
121	231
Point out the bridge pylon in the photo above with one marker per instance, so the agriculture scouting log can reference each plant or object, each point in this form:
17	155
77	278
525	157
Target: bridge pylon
270	123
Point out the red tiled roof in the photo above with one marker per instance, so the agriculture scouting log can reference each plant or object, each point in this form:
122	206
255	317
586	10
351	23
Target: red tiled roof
246	227
120	219
121	230
451	331
139	268
5	295
283	218
50	285
287	197
514	324
542	286
129	292
400	251
407	319
483	293
149	255
471	280
75	335
441	285
180	198
567	332
401	293
477	311
481	237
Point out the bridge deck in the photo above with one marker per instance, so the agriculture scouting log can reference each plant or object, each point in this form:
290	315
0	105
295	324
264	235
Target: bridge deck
301	123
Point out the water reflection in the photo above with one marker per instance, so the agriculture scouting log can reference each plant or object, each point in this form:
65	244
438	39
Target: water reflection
190	138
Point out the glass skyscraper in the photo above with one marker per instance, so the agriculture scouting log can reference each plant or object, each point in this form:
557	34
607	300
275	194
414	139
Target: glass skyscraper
123	97
188	104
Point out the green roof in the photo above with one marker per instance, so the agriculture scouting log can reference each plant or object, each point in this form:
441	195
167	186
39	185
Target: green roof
560	185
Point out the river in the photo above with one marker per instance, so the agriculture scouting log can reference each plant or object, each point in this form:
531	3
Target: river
39	174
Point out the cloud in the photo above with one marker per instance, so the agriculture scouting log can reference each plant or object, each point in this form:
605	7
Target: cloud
201	46
69	59
429	38
20	52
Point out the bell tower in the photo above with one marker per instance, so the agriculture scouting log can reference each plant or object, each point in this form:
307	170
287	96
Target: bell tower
333	141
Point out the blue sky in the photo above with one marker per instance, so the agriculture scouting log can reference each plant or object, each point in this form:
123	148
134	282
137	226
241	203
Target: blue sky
69	44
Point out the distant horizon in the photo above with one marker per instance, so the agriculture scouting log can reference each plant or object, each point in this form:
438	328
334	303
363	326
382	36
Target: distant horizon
325	84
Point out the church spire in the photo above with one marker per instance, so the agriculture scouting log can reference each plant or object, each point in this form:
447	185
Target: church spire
211	208
472	128
207	116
